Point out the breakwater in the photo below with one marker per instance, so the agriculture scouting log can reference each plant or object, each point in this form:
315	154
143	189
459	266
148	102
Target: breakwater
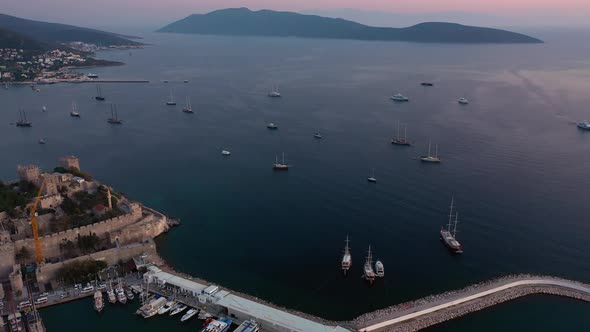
434	309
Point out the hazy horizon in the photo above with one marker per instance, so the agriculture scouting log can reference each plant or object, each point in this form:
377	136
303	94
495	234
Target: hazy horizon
150	14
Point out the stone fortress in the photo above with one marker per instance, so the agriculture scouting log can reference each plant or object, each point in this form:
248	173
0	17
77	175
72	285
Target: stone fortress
129	235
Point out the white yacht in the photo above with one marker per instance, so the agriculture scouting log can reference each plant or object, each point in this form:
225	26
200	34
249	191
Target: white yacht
178	308
272	126
317	135
585	125
189	314
153	307
44	109
225	153
399	97
41	141
167	307
111	295
463	101
274	92
121	297
379	270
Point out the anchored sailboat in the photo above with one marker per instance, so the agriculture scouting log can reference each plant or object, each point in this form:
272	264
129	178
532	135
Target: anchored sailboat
23	122
280	166
369	274
99	95
399	140
74	112
171	101
274	92
188	108
372	178
430	158
346	258
114	119
448	237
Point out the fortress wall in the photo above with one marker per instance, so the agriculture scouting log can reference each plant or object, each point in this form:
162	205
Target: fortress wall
50	243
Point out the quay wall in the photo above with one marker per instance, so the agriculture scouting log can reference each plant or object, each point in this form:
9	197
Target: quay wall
47	273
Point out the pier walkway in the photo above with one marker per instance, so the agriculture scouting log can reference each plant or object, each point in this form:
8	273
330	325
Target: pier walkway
420	314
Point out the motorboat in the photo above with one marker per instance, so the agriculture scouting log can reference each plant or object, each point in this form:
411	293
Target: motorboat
399	97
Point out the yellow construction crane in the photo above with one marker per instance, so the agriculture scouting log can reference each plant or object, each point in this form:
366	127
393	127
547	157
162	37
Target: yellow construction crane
34	224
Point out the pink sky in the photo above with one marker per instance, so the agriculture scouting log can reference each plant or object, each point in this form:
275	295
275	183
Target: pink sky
158	12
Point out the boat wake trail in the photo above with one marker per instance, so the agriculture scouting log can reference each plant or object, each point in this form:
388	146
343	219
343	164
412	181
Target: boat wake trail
557	107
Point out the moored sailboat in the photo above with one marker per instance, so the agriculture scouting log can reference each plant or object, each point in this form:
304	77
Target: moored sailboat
274	92
449	237
346	258
398	140
114	119
74	112
188	108
368	272
280	166
372	178
99	95
23	122
430	158
171	101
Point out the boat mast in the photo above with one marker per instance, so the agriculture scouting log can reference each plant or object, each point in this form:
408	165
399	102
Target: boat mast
456	221
429	143
451	214
436	151
405	133
283	158
398	130
369	257
346	249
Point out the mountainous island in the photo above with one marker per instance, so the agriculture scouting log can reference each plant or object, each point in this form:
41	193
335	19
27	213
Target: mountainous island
245	22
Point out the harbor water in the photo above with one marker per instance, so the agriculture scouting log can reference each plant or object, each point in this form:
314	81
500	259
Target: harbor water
513	159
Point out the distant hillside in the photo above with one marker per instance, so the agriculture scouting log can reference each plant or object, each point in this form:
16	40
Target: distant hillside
11	39
242	21
55	32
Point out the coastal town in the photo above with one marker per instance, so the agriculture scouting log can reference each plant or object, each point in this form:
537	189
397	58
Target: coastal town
51	66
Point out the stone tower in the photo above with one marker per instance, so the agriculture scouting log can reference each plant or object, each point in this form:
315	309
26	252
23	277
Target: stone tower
109	198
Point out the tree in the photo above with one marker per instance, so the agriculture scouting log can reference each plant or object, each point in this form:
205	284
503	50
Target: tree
81	271
68	248
88	243
23	255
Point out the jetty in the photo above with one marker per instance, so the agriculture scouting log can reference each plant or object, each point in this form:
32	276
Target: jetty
435	309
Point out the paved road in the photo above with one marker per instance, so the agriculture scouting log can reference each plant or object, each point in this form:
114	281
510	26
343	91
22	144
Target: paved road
433	307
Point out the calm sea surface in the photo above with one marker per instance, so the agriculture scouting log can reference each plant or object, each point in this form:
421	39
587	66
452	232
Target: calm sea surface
513	158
